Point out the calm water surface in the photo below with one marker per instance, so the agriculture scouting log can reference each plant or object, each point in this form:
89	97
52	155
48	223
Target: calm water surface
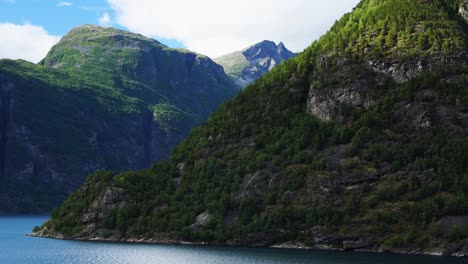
17	248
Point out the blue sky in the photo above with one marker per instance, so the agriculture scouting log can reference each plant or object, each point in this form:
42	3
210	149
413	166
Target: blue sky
29	28
48	14
58	17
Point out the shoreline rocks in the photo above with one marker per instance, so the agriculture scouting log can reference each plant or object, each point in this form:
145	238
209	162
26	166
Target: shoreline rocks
360	245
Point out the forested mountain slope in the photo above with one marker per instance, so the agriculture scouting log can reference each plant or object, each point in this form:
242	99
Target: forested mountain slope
358	143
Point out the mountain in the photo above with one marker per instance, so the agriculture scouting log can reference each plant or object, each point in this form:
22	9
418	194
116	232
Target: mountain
173	81
358	143
103	98
249	64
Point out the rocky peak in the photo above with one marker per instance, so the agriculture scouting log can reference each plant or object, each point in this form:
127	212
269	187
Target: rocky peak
283	51
260	50
268	49
249	64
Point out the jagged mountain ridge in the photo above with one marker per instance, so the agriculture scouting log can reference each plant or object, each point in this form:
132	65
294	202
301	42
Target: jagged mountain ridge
358	143
249	64
102	98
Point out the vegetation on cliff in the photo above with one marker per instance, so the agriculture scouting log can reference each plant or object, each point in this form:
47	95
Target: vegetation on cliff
360	142
103	98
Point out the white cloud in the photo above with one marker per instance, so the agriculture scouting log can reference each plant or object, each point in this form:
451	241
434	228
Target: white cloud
64	3
94	8
28	42
216	27
105	20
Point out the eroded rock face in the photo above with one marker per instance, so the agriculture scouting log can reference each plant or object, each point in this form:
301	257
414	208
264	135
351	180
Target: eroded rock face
400	72
327	102
447	223
325	105
201	220
110	199
403	71
418	115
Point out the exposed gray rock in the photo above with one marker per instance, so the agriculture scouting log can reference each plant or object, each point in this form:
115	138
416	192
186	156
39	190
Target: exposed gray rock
463	10
464	250
325	105
249	64
111	198
458	249
356	244
447	223
400	72
201	220
417	115
291	244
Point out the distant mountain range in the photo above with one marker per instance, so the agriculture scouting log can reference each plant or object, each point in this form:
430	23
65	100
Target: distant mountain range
247	65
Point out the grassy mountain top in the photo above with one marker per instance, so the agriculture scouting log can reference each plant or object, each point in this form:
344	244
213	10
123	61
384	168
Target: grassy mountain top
398	30
353	144
143	68
88	32
233	63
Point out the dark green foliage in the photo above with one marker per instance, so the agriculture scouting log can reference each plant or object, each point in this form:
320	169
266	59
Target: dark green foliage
457	234
280	171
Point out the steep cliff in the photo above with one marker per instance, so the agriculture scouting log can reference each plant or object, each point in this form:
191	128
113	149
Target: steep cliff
249	64
5	108
358	143
102	99
192	84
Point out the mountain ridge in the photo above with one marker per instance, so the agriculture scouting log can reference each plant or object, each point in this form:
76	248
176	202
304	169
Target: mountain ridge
247	65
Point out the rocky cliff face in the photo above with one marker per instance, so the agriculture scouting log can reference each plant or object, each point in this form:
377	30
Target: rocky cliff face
5	109
249	64
463	10
362	90
102	99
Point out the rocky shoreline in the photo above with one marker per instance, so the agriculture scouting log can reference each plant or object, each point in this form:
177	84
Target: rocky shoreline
448	251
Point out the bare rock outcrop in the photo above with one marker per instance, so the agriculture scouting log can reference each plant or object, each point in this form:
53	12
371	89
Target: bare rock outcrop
463	10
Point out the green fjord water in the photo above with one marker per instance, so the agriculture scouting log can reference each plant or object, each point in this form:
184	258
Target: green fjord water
15	247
